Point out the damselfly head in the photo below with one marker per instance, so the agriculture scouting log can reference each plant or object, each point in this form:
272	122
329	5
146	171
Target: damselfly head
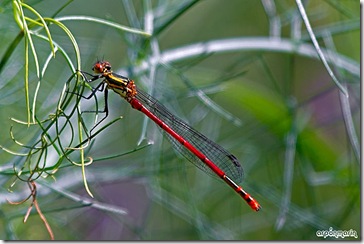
102	67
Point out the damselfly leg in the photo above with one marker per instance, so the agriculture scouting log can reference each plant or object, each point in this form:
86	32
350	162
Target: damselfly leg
100	87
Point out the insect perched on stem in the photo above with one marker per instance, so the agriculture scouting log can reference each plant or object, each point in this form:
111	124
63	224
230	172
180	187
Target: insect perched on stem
197	148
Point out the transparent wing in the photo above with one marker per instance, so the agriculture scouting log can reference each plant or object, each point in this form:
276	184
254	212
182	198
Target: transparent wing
222	158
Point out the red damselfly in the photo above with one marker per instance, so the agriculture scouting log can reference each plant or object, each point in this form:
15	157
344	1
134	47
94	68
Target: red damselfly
197	148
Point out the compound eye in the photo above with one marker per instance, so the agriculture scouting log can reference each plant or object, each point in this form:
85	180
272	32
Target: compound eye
97	68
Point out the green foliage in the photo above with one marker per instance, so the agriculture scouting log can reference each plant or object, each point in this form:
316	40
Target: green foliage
277	83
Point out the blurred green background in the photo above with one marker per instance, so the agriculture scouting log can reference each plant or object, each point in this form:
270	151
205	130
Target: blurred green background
253	84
